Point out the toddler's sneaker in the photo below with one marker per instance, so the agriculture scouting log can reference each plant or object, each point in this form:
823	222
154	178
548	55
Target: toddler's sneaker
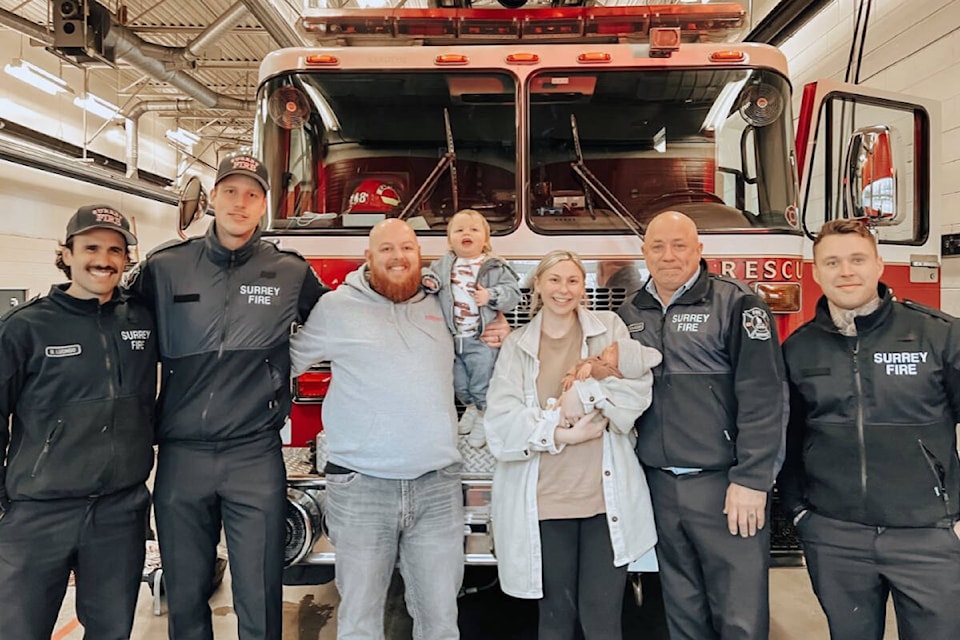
478	436
468	420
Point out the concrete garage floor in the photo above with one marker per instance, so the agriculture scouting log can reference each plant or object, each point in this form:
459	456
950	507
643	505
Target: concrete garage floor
310	613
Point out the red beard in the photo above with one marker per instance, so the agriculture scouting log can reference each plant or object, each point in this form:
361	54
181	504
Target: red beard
397	291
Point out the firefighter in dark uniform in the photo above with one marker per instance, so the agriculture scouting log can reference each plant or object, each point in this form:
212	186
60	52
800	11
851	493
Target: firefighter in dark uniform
713	439
78	376
872	478
224	305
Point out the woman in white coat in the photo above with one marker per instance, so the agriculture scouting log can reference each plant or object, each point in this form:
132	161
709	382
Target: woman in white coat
570	506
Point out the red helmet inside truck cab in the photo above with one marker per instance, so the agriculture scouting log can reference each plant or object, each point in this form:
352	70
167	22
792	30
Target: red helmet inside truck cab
374	196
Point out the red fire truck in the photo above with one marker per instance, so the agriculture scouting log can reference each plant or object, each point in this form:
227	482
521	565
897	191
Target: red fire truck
571	127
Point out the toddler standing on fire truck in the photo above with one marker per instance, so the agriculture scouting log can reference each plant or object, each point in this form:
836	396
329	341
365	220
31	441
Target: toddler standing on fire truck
475	286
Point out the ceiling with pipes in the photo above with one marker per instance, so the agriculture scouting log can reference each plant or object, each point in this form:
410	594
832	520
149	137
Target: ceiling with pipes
195	60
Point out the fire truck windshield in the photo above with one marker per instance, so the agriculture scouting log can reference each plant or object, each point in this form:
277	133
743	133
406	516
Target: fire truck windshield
714	144
604	151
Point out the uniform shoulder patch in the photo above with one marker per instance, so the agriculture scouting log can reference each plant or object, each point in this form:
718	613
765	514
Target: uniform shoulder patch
734	282
169	244
930	311
756	322
284	250
20	307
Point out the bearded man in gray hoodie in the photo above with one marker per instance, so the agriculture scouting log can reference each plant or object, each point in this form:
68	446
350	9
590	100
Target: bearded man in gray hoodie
393	469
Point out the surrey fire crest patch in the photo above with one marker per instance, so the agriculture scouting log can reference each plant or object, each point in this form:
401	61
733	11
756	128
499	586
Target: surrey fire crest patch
756	323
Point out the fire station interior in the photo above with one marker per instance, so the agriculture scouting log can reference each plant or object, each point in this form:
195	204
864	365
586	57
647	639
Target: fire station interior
128	102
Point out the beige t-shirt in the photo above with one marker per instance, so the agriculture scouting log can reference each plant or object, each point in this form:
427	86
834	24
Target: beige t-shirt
569	485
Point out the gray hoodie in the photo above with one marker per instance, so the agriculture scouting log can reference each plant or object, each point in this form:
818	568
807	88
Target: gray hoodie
389	412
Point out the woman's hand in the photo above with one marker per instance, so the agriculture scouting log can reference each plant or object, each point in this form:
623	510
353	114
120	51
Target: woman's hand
590	427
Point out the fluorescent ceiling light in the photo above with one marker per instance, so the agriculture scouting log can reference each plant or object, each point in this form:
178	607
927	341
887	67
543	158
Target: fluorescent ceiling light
97	106
37	77
182	138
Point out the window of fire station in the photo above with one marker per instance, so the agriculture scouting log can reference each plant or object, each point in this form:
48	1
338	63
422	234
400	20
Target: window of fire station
611	149
346	150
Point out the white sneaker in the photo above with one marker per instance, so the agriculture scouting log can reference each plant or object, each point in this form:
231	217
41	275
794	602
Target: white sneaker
467	420
478	436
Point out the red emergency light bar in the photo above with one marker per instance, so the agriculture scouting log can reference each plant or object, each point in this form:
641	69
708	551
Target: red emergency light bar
696	22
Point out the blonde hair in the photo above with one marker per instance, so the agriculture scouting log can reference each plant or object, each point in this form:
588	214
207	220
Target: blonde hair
548	262
476	215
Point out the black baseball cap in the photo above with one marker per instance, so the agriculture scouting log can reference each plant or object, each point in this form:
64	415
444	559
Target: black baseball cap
243	165
99	216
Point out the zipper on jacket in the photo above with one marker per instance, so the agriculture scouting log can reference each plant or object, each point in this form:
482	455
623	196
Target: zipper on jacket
223	336
46	447
663	367
938	473
861	438
109	346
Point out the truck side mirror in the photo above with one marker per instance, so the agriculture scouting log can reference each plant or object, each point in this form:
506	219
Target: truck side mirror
871	176
192	205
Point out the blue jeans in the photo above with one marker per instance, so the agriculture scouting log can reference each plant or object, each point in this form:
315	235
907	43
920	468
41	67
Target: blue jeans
472	370
372	522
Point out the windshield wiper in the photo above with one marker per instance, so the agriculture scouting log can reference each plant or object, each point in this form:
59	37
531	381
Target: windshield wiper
447	160
590	181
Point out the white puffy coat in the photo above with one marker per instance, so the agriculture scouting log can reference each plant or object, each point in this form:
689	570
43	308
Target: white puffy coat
518	431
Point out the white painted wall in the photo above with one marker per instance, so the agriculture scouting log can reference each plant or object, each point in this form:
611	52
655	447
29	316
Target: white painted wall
35	206
911	47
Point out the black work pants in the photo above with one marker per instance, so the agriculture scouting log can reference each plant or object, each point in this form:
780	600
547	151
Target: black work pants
855	568
101	539
715	585
241	486
579	580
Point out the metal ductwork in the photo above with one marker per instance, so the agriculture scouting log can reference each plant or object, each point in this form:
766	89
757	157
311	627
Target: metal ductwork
145	57
277	24
189	54
132	126
132	49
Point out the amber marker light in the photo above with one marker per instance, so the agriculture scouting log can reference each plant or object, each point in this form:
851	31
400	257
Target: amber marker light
594	57
781	297
323	59
523	58
728	56
451	59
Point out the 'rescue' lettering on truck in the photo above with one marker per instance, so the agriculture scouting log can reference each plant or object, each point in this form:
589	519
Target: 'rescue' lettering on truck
571	127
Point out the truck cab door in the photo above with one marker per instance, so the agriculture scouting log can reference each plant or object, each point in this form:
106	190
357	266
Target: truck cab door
871	154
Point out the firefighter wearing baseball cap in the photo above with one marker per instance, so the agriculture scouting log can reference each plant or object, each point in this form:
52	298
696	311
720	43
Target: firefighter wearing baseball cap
78	379
224	303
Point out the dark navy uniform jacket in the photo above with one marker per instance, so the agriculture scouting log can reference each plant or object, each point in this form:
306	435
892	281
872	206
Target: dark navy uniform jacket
79	380
872	436
224	320
720	394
